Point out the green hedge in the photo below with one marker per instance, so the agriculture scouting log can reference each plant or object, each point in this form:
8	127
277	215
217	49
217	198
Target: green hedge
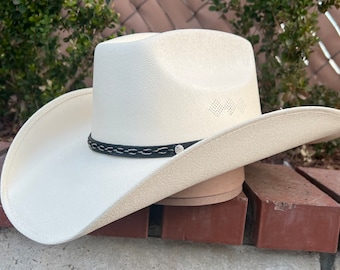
38	65
283	33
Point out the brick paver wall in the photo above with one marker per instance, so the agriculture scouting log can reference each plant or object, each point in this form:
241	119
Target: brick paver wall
164	15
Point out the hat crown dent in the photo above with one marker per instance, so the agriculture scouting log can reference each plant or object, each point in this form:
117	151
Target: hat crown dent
49	173
173	87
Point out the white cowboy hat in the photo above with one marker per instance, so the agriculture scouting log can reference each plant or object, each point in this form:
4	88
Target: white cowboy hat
153	96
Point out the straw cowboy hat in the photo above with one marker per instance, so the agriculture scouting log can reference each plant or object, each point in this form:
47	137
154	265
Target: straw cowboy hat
167	111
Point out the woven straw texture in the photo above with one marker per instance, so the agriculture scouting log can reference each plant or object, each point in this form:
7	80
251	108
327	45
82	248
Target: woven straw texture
164	15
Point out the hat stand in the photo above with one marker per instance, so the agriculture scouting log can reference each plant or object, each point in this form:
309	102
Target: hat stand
218	189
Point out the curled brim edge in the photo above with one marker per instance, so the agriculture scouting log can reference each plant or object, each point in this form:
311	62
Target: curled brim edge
55	189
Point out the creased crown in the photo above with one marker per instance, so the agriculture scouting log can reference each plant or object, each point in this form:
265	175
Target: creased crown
172	87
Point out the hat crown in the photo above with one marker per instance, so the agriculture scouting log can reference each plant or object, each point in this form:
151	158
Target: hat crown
173	87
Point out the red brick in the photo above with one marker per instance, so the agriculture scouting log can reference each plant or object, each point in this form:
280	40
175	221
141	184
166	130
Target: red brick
216	223
4	147
327	180
132	226
4	221
291	213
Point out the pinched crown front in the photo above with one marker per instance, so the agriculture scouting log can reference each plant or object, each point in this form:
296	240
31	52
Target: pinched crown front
178	86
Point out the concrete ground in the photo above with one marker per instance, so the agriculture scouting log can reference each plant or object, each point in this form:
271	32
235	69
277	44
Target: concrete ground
96	252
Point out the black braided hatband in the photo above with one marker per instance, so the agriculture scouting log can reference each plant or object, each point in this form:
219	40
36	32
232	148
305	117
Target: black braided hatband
138	151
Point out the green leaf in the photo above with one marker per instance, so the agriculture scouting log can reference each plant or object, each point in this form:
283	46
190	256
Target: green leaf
22	8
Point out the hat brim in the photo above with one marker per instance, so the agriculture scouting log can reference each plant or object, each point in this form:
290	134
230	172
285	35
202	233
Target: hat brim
55	189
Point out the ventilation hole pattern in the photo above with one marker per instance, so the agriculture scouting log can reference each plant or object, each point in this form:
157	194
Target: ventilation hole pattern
217	107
